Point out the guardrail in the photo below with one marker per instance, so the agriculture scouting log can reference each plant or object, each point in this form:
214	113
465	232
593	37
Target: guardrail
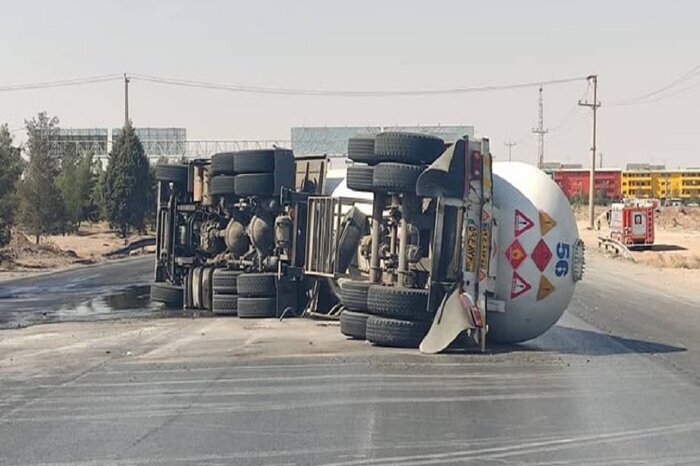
618	247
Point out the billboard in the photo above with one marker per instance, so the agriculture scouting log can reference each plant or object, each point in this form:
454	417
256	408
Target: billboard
159	142
81	140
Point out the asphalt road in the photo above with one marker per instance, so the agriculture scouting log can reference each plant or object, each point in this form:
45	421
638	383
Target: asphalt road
114	289
617	381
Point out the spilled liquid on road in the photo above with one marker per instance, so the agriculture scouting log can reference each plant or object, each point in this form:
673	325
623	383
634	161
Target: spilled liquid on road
22	307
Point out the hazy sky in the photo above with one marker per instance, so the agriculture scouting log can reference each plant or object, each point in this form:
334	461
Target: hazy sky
634	46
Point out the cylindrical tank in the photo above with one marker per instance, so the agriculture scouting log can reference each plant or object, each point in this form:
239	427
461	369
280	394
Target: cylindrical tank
539	252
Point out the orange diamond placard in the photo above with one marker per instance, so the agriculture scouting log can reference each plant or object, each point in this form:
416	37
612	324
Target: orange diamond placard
546	222
515	254
545	289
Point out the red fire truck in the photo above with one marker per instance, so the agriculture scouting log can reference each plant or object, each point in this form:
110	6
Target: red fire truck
632	224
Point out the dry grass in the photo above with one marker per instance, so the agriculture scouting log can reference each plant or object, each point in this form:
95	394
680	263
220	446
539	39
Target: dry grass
669	260
59	251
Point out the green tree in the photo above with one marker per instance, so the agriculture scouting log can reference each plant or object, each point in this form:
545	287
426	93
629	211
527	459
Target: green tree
127	183
77	182
151	199
98	195
41	208
10	172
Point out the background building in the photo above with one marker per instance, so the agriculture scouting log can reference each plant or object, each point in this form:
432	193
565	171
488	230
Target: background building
575	182
662	184
612	183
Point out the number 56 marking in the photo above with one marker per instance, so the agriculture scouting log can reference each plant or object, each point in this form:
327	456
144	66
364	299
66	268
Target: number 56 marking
561	268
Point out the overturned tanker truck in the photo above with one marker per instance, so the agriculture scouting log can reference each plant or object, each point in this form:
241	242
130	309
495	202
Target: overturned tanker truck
417	243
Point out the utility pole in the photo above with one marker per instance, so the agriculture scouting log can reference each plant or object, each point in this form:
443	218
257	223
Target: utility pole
540	131
510	145
591	186
126	99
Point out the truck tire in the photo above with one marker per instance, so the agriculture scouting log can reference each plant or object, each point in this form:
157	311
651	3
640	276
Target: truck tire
225	305
207	290
166	293
382	331
412	148
176	173
225	281
361	149
251	308
257	285
196	289
353	295
402	303
188	300
353	324
223	185
393	177
360	177
255	184
254	161
222	164
354	226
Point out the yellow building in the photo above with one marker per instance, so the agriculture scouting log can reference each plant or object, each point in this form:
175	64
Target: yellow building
661	184
637	184
690	184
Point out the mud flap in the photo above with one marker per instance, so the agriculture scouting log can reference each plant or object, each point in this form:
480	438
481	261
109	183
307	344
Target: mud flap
453	317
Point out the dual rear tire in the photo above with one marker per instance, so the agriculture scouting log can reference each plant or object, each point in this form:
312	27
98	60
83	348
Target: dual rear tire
390	162
225	292
257	295
385	316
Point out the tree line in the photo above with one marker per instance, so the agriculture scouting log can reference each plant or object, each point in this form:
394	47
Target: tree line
52	191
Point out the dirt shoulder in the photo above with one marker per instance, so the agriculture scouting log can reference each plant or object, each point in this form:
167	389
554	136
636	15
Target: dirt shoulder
23	257
677	238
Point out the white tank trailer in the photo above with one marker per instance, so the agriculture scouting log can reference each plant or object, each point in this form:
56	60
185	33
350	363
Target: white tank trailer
536	259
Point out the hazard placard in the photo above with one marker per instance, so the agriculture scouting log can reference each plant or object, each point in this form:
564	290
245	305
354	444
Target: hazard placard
519	286
515	254
541	255
545	289
522	223
547	223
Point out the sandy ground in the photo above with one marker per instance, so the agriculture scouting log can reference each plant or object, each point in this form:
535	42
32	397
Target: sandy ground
22	257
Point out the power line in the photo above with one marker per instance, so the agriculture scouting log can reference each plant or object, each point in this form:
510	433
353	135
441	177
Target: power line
668	96
644	98
61	83
343	93
573	111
